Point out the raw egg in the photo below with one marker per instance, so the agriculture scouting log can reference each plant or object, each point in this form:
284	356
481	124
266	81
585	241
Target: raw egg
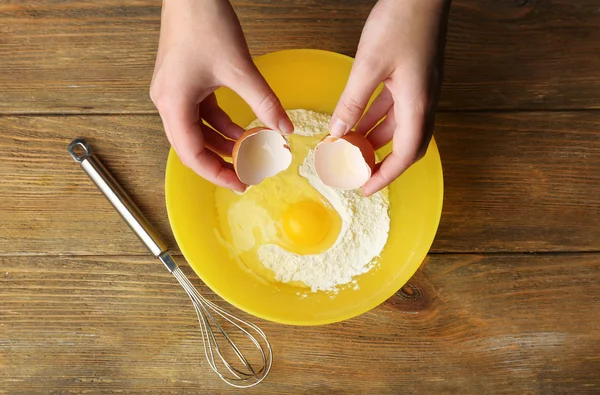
344	163
260	153
306	223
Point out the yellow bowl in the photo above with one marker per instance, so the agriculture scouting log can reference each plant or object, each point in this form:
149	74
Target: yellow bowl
313	80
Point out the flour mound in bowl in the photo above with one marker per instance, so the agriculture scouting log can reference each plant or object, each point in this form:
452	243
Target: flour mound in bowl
365	222
365	228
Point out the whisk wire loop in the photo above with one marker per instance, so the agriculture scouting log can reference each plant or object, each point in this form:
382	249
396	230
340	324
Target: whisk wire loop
206	311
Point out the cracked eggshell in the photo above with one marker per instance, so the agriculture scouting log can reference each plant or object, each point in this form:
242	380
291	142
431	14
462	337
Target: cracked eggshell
344	163
260	153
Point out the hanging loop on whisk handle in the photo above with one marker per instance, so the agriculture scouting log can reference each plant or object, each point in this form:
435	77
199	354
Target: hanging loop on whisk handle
82	153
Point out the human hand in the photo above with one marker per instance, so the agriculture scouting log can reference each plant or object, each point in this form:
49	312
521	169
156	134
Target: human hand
201	48
401	45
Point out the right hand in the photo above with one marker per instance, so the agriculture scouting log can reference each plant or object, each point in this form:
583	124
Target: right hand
201	48
401	46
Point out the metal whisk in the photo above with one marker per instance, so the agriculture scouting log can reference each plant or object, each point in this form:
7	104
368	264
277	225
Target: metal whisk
244	373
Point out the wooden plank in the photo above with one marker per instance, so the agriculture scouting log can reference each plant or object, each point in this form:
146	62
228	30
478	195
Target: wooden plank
87	56
513	182
464	324
520	181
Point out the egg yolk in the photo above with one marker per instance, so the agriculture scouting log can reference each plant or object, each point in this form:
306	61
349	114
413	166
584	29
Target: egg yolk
306	223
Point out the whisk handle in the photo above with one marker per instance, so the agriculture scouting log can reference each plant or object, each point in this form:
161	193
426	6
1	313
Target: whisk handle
82	153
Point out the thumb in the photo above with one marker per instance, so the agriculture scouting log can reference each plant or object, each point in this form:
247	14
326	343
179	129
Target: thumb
361	84
255	91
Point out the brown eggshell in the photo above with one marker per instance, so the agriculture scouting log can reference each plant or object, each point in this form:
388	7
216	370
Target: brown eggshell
240	145
240	140
364	145
336	180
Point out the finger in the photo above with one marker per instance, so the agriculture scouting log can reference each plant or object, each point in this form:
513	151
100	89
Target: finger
252	87
390	169
410	141
378	109
216	142
360	86
167	131
383	133
213	168
218	119
181	116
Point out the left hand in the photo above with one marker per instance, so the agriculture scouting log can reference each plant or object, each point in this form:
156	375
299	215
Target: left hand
402	45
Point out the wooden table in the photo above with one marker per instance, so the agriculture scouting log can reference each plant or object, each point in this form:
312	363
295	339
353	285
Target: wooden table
508	301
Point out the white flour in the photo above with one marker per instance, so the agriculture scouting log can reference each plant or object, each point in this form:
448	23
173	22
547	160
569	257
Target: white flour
364	232
306	123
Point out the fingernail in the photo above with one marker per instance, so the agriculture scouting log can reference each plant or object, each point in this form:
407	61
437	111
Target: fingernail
338	128
239	190
366	192
285	126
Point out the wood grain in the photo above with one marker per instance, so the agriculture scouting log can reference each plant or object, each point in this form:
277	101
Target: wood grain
520	182
514	182
97	56
464	324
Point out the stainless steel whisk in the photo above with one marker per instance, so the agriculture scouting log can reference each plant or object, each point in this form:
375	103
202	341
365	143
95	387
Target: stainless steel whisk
247	373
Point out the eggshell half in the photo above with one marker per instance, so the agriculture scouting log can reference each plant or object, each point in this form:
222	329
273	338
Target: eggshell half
260	153
344	163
